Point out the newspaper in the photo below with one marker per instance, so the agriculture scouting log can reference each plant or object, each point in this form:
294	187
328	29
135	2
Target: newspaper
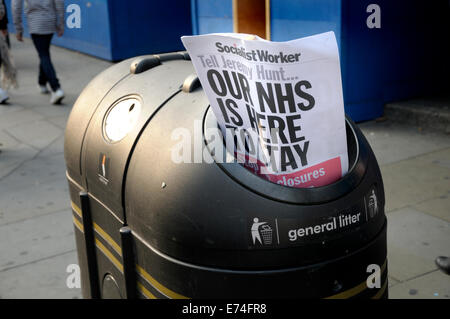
279	104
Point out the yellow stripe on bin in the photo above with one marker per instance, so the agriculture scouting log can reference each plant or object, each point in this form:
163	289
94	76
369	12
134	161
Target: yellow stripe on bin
381	291
99	230
171	294
152	281
349	293
109	255
117	263
76	209
78	224
145	291
355	290
108	238
100	246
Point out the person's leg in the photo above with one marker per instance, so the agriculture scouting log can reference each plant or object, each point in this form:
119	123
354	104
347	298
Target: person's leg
47	72
42	79
3	94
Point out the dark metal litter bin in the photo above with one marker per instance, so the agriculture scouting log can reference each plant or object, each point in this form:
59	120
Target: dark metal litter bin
148	227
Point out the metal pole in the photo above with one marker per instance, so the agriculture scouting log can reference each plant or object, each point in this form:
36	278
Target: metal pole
90	246
129	270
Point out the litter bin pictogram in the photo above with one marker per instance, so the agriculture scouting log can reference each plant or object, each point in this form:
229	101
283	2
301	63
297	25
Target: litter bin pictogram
266	234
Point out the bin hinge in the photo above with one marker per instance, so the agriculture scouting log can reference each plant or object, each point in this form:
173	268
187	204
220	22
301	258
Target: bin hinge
190	83
145	63
182	55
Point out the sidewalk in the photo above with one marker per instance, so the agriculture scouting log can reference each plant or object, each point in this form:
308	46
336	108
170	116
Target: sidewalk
415	165
36	231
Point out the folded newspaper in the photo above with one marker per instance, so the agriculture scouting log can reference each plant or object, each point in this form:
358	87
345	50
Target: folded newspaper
279	104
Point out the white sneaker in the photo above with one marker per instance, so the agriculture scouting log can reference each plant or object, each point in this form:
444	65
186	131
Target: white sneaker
57	96
3	96
44	89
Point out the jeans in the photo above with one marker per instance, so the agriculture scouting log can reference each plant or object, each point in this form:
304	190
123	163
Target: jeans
46	71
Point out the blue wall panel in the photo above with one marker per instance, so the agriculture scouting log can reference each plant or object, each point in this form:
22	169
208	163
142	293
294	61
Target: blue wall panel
212	16
143	27
407	57
118	29
93	37
403	59
293	19
360	63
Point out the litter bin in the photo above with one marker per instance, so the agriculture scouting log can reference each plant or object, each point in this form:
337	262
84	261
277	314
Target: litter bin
148	227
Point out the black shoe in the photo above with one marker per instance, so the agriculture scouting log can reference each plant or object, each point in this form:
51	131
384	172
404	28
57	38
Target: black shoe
443	263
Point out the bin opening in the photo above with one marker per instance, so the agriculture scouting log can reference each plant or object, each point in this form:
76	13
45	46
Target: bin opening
238	172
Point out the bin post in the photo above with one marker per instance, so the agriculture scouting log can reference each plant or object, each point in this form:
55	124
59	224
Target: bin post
90	246
129	271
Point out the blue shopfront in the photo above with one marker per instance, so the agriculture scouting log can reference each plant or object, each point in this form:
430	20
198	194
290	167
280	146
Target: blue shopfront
389	50
117	29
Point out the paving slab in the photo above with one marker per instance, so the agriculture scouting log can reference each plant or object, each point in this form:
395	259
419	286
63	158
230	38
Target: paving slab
11	158
413	181
36	238
415	239
49	111
440	158
39	171
54	148
7	108
38	134
7	141
60	121
33	201
392	142
32	100
42	279
438	207
435	285
392	282
23	116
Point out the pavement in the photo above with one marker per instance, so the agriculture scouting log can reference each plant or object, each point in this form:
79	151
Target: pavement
415	166
36	232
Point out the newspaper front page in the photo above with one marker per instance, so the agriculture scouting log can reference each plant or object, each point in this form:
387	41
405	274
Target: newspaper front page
279	104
